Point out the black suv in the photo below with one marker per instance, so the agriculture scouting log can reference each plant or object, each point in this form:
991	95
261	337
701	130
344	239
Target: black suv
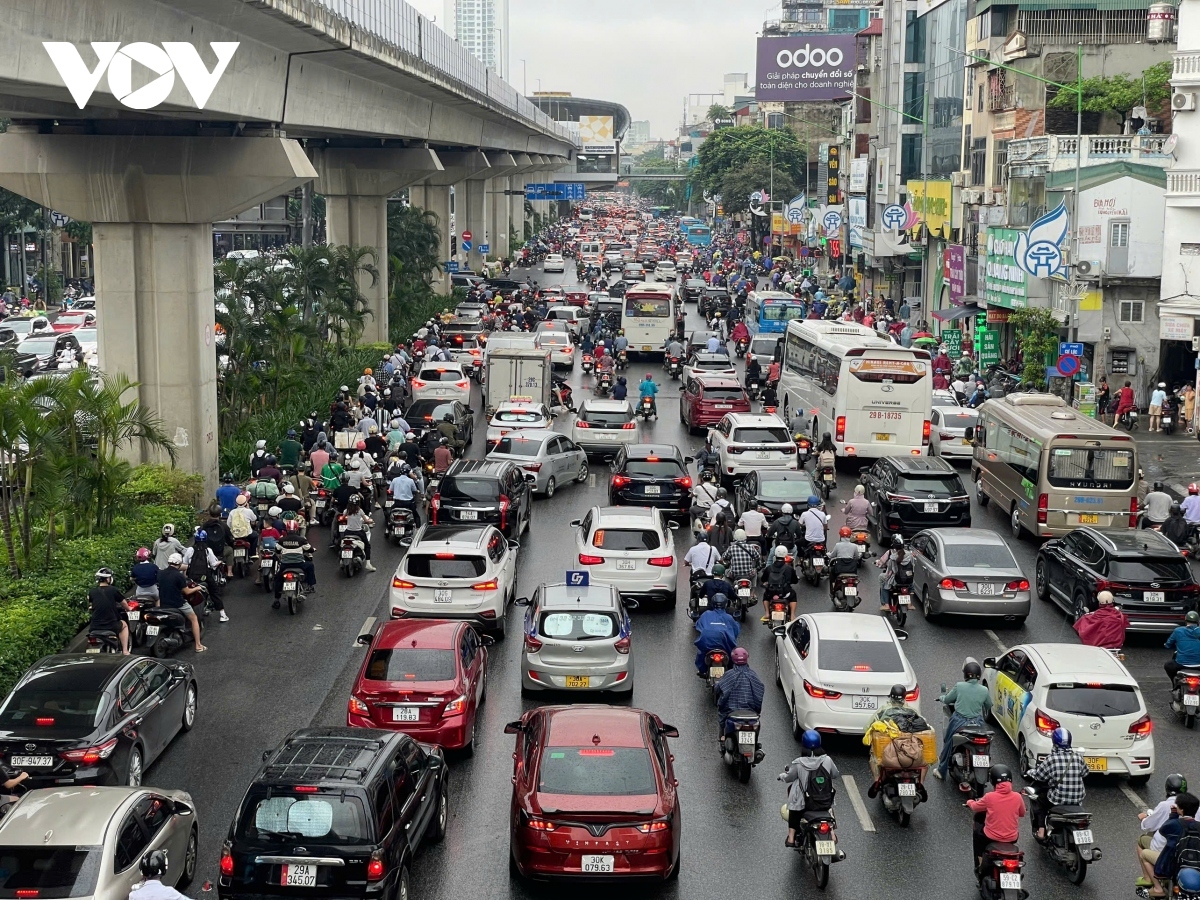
483	491
1149	578
335	812
651	475
910	494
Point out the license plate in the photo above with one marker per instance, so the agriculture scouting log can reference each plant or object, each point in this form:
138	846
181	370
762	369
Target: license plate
980	760
1010	881
289	585
1154	596
406	714
1083	836
985	588
1191	699
826	848
320	505
625	565
30	762
299	875
151	630
265	563
134	615
702	601
883	437
1096	763
906	789
1089	519
850	591
763	454
239	553
441	596
743	592
905	600
92	650
828	476
347	554
931	507
579	681
777	615
864	703
601	864
746	737
653	490
468	515
818	562
723	406
716	671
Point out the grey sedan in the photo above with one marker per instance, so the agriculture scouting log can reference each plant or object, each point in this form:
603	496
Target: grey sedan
576	638
547	455
968	573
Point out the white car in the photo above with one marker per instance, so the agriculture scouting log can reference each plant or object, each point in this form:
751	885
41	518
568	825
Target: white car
633	549
683	260
836	670
442	381
665	271
89	344
554	263
457	571
1036	688
513	415
574	317
948	425
602	426
560	345
745	441
708	364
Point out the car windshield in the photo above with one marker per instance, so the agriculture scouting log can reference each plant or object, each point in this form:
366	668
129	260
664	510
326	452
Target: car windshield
40	346
86	335
578	626
980	556
328	818
411	665
49	872
653	468
626	539
761	434
441	375
444	565
48	707
723	395
428	410
521	416
641	306
462	487
938	484
605	416
1148	568
763	348
1093	699
944	400
785	489
527	448
596	771
1076	467
711	363
859	656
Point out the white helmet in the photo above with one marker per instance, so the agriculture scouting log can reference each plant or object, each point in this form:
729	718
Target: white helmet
261	445
275	511
740	534
174	559
786	508
289	489
781	552
354	464
1161	384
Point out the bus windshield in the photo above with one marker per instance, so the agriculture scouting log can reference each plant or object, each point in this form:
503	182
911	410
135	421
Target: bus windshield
780	312
642	306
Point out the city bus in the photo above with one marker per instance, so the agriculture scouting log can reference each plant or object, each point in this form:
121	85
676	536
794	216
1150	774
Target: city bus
648	317
1051	469
686	222
768	312
869	393
699	235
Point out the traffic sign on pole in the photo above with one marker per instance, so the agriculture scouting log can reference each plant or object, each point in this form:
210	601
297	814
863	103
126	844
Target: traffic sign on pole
465	244
1068	365
485	248
466	235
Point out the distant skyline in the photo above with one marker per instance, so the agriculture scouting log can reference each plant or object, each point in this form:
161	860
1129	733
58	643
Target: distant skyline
647	58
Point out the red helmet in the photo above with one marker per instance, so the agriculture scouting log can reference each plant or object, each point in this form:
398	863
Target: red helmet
844	531
361	445
740	656
1194	488
143	554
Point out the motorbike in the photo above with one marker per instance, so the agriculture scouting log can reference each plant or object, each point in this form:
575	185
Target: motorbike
168	630
1129	420
900	602
776	604
292	586
825	480
803	450
587	363
817	843
103	642
716	662
241	557
697	598
845	591
742	600
560	395
398	521
740	748
754	387
645	408
604	384
137	627
900	791
1170	416
267	561
674	367
353	553
740	349
1069	840
999	877
970	756
622	362
812	563
322	505
1185	695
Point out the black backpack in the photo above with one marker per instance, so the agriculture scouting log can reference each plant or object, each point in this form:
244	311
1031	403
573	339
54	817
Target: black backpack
1187	848
777	579
818	792
904	570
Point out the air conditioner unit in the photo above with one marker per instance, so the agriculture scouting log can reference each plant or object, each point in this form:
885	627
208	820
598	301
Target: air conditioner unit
1183	100
1088	268
958	179
970	197
985	198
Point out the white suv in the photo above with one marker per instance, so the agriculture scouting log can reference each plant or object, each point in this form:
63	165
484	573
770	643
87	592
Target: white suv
632	548
665	271
457	572
744	442
441	381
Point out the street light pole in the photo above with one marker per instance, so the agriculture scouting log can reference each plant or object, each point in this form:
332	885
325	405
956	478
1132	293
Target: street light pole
524	81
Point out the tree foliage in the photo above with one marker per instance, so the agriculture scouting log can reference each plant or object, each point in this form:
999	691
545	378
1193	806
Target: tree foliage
733	149
739	183
717	111
414	246
1120	93
663	192
1038	336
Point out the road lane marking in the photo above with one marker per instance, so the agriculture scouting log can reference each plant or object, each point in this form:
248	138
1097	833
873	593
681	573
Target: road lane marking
592	479
366	629
1138	802
856	800
992	636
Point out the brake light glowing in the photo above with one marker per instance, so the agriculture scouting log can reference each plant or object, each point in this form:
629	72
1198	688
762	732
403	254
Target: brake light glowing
925	432
952	584
27	893
357	707
91	755
541	825
1142	727
628	426
1133	512
456	706
819	692
400	583
444	555
840	434
1192	682
651	827
586	559
911	696
44	721
485	586
579	423
662	561
1020	584
1011	865
1043	508
596	751
1044	723
619	481
306	789
418	383
684	482
375	868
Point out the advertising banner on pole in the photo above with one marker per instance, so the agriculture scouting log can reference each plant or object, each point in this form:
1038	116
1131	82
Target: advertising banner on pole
806	67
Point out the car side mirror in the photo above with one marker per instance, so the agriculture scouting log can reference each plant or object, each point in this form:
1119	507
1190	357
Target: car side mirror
989	662
364	639
487	640
516	727
669	731
575	523
521	601
901	634
514	544
688	459
673	525
864	471
781	631
181	809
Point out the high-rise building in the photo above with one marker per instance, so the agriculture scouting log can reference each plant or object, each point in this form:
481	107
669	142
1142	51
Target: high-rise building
639	133
482	27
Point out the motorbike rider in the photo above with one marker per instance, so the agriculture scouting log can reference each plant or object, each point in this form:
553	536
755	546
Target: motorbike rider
1150	843
358	523
779	579
331	474
856	509
701	558
405	492
294	550
1176	529
241	522
718	584
443	457
165	545
720	506
786	530
810	791
827	455
707	458
739	688
620	343
1185	641
144	576
1002	809
376	444
1157	506
1104	626
648	388
971	703
107	605
173	591
674	349
843	558
227	493
898	555
1062	772
270	470
447	430
220	540
200	563
154	868
620	390
742	559
896	707
740	333
718	631
814	523
258	458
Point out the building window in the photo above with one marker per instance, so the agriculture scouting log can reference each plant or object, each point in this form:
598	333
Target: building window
1000	176
914	96
910	156
1132	312
914	38
1119	236
966	147
979	162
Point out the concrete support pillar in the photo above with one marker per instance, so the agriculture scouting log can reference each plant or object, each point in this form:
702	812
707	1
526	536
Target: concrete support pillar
472	213
435	198
151	201
357	184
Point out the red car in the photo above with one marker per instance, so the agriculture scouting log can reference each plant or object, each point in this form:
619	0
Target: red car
72	319
595	796
425	677
707	398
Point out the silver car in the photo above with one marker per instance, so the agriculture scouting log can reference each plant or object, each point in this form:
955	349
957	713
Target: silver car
550	457
90	841
576	638
948	424
968	573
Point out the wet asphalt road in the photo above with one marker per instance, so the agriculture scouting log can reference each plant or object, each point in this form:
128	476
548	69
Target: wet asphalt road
268	673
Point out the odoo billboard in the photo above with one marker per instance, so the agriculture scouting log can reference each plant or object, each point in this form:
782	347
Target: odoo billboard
805	67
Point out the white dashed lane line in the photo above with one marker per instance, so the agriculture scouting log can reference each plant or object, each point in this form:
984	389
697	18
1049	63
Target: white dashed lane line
995	639
1138	802
860	807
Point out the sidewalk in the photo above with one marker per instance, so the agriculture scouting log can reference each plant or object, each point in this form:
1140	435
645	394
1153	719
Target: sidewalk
1173	459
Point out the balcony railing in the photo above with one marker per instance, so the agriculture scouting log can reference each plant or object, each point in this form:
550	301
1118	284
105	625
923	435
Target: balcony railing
1031	156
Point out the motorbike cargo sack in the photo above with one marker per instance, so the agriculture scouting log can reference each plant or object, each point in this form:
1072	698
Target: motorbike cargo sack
910	723
907	751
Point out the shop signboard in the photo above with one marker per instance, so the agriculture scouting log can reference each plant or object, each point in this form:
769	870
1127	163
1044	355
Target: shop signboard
1176	328
1005	283
952	338
931	202
955	262
806	67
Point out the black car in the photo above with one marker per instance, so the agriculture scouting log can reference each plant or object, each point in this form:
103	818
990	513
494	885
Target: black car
713	299
693	288
425	414
1149	578
465	281
618	288
508	285
78	718
336	812
633	273
651	475
909	494
485	491
769	489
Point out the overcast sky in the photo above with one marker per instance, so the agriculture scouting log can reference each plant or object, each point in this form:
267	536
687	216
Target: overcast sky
644	55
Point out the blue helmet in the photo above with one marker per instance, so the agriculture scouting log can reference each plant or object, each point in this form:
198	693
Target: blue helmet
1060	737
810	740
814	500
201	534
1188	880
720	601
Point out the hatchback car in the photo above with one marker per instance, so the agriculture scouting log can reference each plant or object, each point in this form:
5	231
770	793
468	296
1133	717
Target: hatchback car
1149	578
968	572
361	801
471	309
516	415
1035	688
769	489
548	456
763	347
77	718
631	548
426	678
601	427
573	317
910	494
748	442
560	345
475	491
456	572
594	796
424	414
89	842
705	363
442	381
665	270
576	638
633	273
554	263
948	424
706	399
836	670
651	475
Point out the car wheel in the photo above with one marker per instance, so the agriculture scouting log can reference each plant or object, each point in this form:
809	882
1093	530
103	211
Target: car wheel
1014	522
980	497
1023	759
402	884
927	605
797	728
443	813
550	488
778	671
583	472
1041	581
528	521
133	771
1078	605
189	708
189	860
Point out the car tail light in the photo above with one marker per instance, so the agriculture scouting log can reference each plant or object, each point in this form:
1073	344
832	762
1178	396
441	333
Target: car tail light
226	860
462	384
663	561
586	559
1142	727
628	426
819	692
1133	512
652	827
911	696
622	645
579	423
435	506
1020	584
1043	508
398	582
925	432
455	706
358	708
306	789
840	435
503	511
1044	723
952	584
684	482
532	644
91	755
418	383
619	481
44	721
532	467
944	436
375	868
485	585
540	824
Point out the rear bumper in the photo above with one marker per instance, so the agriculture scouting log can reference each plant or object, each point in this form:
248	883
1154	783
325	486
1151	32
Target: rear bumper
952	604
617	677
449	734
897	525
680	504
605	448
652	861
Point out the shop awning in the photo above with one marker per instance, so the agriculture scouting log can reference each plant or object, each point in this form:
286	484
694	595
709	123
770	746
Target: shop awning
954	313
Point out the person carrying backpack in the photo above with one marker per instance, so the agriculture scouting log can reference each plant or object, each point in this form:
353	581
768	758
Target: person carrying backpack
1182	850
810	778
779	579
897	565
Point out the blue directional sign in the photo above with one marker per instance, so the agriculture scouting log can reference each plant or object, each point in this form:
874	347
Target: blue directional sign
466	246
565	190
578	579
485	248
450	266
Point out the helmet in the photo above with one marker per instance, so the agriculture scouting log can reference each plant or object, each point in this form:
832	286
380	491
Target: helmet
1161	384
1104	598
270	459
291	524
344	478
859	490
649	377
1192	618
1158	485
444	441
405	468
786	508
374	429
814	500
291	432
289	488
740	534
810	741
154	864
105	574
845	531
201	534
242	500
227	478
262	445
1061	737
740	656
826	437
1188	880
168	530
1176	509
275	512
143	554
355	464
722	494
344	388
719	569
781	552
368	371
387	392
1176	784
174	559
361	445
448	417
897	541
719	601
898	693
998	773
971	670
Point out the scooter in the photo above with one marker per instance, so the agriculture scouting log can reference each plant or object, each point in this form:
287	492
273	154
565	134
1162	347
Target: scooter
267	561
845	593
1069	840
900	602
133	616
803	450
900	791
168	630
817	842
812	563
604	384
587	363
777	608
754	387
826	478
697	599
740	349
740	747
645	408
292	587
970	756
1185	695
103	642
241	557
742	600
622	360
322	505
353	554
674	367
999	877
398	521
716	662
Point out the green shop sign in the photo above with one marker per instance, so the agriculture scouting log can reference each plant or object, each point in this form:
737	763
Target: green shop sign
989	348
1004	282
